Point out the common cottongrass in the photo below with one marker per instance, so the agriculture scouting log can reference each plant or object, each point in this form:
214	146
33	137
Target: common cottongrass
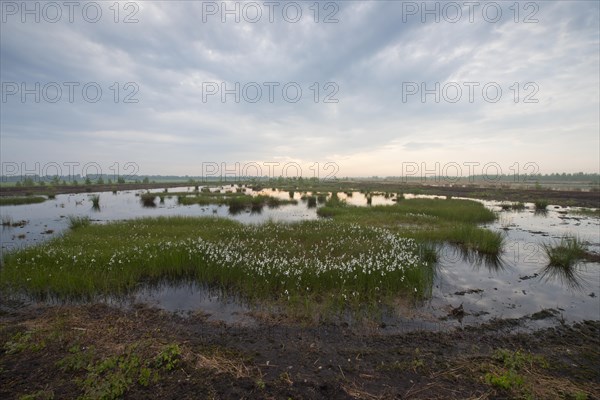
346	265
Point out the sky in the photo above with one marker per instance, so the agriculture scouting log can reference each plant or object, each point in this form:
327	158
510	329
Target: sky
327	89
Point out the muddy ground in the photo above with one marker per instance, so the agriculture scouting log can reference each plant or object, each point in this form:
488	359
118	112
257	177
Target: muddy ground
95	351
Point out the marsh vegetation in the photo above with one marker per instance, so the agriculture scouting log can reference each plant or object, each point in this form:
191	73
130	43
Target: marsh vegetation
15	201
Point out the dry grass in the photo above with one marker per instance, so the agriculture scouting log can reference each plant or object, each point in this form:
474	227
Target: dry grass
539	382
226	364
356	392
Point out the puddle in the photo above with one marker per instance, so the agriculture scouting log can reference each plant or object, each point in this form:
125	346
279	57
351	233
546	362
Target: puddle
516	285
189	298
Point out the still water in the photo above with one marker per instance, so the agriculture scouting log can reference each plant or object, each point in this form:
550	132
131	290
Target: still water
516	285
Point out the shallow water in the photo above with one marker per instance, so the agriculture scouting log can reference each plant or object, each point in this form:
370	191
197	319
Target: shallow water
516	285
520	283
52	215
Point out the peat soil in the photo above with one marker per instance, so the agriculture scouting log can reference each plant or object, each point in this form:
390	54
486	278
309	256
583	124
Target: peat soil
282	359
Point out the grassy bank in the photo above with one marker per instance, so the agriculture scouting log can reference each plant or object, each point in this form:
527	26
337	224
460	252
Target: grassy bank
438	220
17	201
335	264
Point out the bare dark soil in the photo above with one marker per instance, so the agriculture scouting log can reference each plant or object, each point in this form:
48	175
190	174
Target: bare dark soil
285	360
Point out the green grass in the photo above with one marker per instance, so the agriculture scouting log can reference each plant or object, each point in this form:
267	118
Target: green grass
565	253
95	199
16	201
76	222
148	199
587	212
338	264
563	259
236	201
426	220
518	206
540	205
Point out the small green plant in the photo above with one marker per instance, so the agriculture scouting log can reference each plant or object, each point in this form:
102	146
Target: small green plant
506	380
22	341
169	357
111	377
580	396
417	362
147	376
517	359
261	384
508	376
78	358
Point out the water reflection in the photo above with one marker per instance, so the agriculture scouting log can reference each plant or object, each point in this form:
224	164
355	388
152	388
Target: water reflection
492	262
235	209
570	276
148	200
452	254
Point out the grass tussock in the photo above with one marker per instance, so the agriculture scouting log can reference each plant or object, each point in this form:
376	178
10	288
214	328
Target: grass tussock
76	222
565	253
148	199
541	205
95	199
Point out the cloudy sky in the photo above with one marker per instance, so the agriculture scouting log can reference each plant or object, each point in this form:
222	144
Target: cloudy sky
349	88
